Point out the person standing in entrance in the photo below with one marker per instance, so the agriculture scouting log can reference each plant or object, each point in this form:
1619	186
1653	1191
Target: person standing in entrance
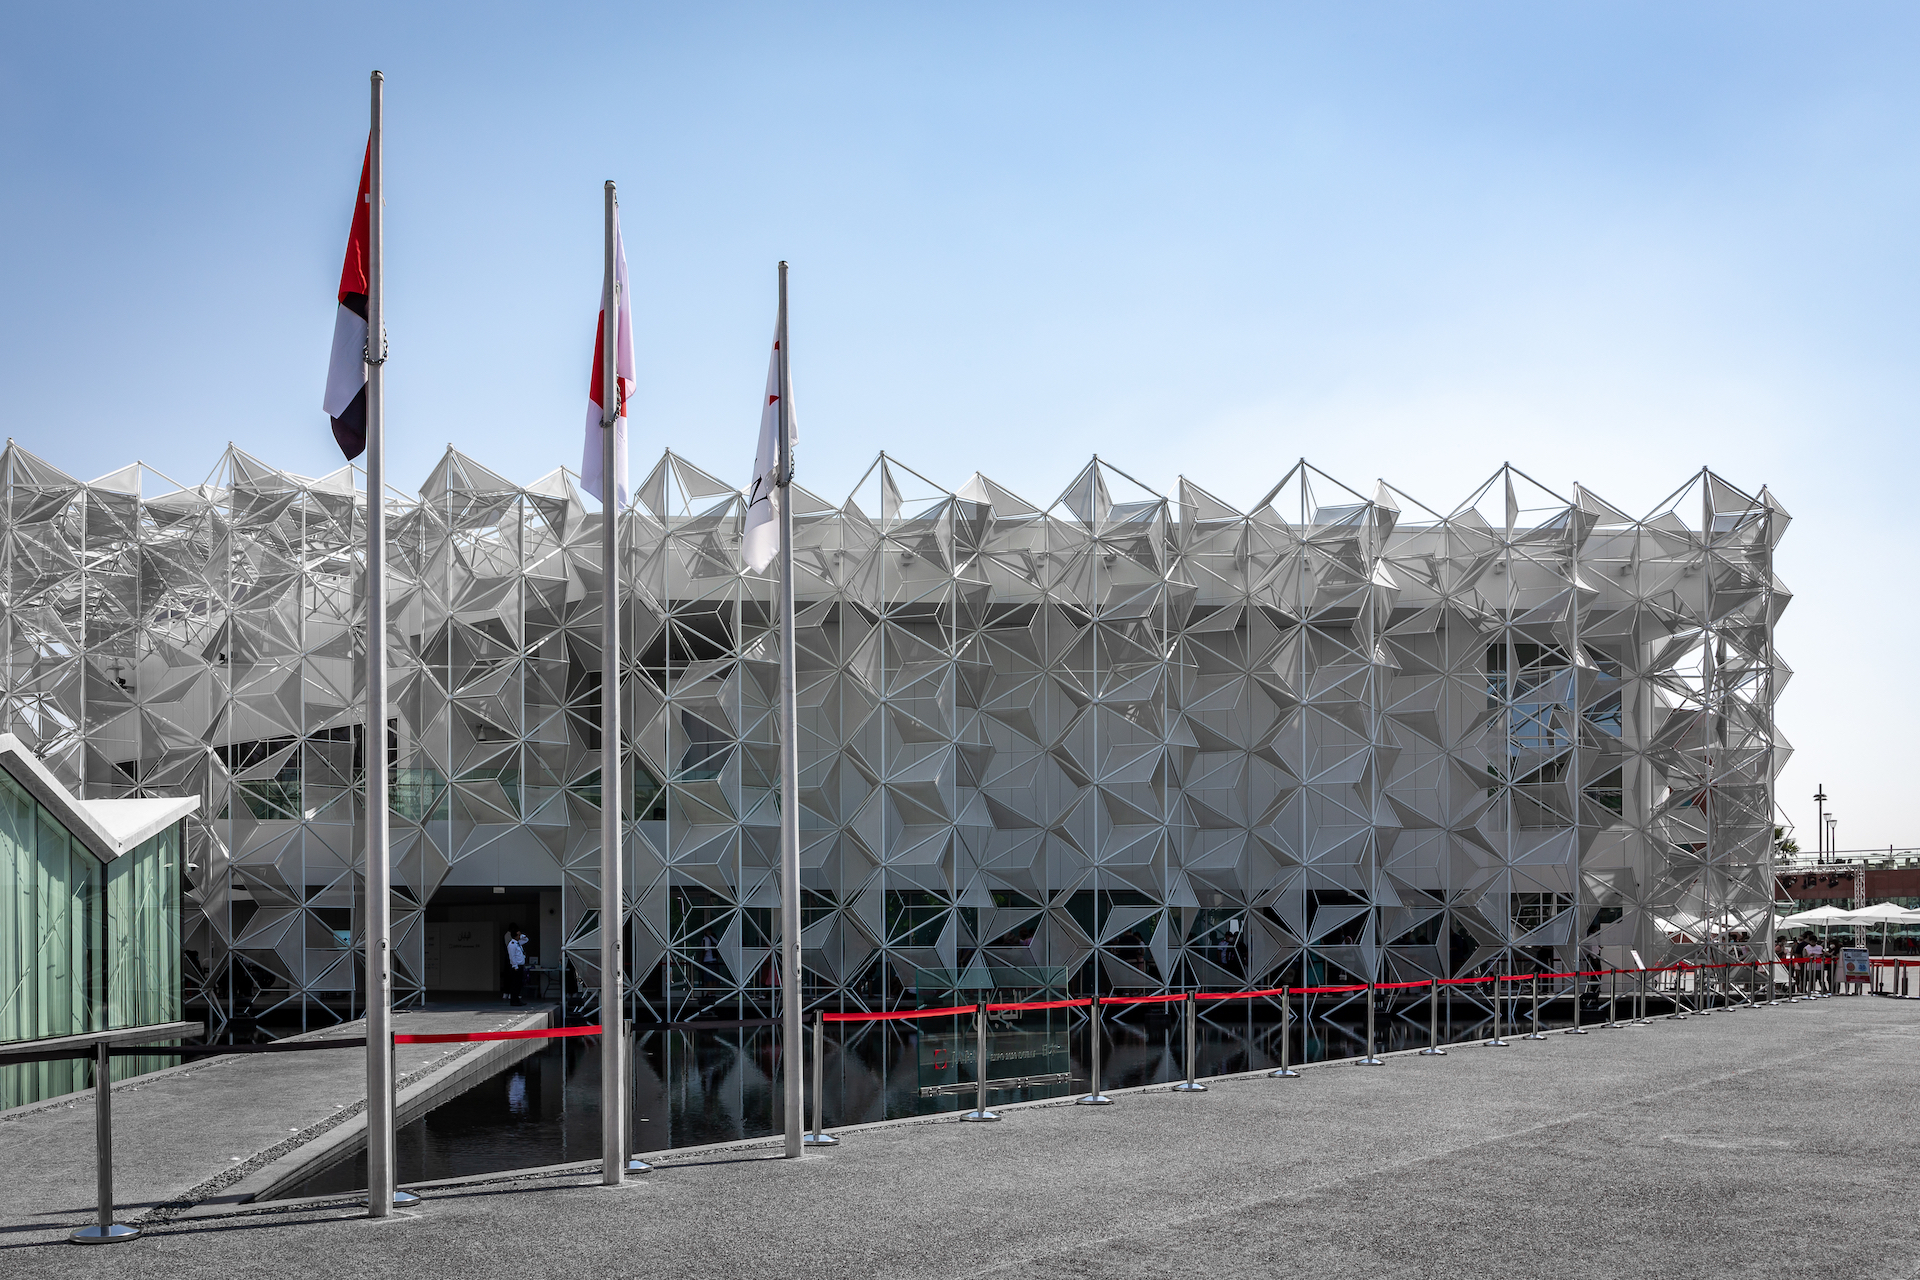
516	964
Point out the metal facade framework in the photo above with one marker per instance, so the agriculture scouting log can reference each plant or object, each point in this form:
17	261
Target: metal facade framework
1148	741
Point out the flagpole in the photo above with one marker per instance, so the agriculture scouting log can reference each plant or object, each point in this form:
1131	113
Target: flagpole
613	1075
379	896
791	1033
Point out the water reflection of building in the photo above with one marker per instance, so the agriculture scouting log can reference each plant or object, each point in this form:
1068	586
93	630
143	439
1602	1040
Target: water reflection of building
1148	739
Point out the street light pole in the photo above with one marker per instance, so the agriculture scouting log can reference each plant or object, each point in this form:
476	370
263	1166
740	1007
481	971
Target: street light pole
1820	821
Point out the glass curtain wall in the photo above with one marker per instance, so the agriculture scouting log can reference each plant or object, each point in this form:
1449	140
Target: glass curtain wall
83	947
50	923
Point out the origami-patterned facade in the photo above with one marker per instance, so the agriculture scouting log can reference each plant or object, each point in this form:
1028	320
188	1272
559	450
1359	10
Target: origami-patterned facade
1132	740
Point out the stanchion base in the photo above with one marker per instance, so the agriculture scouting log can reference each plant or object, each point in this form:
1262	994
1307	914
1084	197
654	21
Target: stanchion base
636	1165
112	1233
1093	1100
979	1117
1574	1031
1284	1073
1535	1035
1497	1044
819	1140
1189	1086
1433	1053
1369	1061
402	1200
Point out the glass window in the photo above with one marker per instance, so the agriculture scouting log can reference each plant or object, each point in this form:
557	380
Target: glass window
82	947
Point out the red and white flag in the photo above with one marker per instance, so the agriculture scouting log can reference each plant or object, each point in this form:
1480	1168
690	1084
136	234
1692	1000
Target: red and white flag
590	477
347	371
764	495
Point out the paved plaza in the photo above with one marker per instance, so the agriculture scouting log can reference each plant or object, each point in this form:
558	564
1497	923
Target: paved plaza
1758	1142
215	1130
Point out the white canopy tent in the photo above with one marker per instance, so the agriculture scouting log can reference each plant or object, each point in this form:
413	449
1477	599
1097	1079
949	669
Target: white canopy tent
1817	916
1880	913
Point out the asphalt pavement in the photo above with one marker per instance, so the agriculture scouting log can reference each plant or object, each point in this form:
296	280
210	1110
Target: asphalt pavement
1765	1141
215	1128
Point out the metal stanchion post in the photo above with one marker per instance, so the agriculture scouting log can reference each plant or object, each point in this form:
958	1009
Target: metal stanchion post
630	1042
1576	1029
1496	1042
1613	1001
1679	1013
1286	1037
1433	1049
980	1112
1643	1020
1094	1097
401	1199
1372	1059
1703	990
1536	1033
1189	1086
819	1138
106	1230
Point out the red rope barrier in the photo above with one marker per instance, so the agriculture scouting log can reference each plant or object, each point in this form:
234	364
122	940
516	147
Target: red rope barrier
1081	1003
899	1014
1264	993
475	1037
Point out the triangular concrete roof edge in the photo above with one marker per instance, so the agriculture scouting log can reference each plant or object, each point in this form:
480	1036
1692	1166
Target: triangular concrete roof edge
107	828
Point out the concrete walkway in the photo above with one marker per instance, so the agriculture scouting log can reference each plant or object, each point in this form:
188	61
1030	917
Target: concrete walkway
1746	1143
220	1129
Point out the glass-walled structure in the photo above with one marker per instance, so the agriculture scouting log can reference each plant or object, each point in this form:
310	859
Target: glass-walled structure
89	920
1141	740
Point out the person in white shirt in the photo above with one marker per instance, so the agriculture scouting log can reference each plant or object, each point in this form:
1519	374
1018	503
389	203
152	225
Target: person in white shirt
516	964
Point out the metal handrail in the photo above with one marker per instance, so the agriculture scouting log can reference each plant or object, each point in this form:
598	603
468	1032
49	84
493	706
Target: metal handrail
101	1045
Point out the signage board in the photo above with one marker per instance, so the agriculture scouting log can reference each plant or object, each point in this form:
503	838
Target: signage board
1015	1060
1855	965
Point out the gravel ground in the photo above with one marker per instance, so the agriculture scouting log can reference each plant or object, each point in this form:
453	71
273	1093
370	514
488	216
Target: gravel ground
1751	1142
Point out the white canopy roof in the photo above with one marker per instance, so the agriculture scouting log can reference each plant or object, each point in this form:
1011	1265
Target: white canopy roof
1880	913
1819	915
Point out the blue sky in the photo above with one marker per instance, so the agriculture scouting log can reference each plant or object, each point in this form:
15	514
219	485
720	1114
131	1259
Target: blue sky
1609	243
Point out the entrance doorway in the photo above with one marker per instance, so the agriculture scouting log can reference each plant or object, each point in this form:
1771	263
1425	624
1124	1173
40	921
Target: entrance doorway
466	938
